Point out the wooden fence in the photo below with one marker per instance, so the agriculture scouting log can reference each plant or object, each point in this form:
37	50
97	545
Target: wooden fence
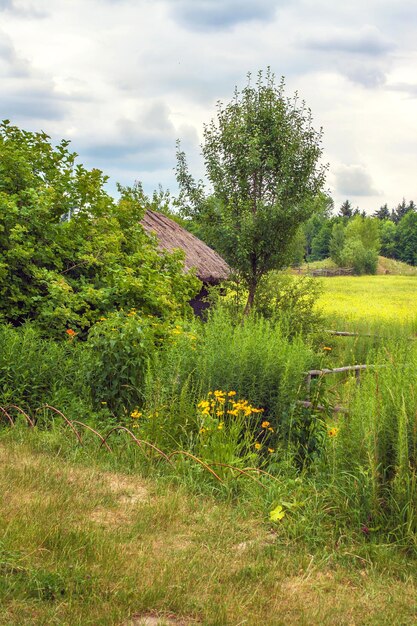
311	374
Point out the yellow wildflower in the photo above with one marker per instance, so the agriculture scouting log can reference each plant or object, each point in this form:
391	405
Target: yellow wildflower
231	393
271	450
258	446
220	426
327	348
265	424
333	432
136	414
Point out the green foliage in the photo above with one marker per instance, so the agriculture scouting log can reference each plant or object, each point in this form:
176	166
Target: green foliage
346	209
292	300
337	243
389	240
383	213
407	238
229	431
364	229
321	242
297	248
401	210
261	157
362	245
68	253
256	359
117	353
36	371
323	205
377	442
355	255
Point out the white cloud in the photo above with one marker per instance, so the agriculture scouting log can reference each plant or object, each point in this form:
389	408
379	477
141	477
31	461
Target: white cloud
123	79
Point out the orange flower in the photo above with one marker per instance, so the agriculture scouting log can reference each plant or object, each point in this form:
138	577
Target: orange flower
265	424
71	333
327	348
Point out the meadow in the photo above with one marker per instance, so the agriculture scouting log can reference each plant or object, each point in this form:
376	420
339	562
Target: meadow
369	299
218	499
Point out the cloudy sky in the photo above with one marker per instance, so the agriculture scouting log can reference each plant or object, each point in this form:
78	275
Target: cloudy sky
123	79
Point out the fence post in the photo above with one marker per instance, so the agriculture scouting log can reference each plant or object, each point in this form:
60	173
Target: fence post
308	385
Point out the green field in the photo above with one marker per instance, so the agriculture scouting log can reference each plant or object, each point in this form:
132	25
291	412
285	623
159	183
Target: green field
370	298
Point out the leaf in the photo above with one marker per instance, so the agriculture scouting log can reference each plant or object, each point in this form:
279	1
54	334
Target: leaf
277	514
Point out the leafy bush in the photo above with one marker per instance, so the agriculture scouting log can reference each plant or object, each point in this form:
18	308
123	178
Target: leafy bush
291	299
118	349
362	245
68	253
357	256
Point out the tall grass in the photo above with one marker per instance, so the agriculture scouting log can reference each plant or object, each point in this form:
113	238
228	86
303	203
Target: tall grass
35	371
375	451
255	359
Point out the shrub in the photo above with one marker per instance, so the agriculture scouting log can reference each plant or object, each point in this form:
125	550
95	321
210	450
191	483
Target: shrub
69	253
118	349
363	261
291	299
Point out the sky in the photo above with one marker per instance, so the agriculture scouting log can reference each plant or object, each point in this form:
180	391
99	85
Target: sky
124	79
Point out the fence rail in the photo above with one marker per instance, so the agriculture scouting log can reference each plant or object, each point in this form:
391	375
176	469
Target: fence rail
357	369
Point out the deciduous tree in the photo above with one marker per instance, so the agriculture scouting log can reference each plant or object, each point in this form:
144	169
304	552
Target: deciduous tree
262	160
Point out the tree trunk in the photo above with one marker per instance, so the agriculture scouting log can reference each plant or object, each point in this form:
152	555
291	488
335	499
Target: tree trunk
251	298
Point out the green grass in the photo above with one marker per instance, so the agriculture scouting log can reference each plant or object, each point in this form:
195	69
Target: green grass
88	539
96	538
371	299
391	266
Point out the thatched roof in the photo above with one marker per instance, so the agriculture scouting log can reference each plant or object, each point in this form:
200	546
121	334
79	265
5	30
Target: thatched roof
209	266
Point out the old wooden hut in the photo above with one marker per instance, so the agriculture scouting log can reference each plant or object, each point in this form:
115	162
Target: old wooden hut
209	266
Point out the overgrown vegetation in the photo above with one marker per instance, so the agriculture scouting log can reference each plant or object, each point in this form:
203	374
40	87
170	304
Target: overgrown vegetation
96	328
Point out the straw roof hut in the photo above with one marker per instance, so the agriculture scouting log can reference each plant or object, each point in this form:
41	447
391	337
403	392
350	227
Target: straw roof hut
210	268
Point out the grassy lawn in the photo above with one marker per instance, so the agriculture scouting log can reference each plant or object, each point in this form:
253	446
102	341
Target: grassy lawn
85	545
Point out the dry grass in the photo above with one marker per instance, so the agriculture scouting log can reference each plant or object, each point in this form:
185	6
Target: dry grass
82	546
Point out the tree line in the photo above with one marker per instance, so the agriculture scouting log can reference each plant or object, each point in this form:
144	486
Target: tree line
352	238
